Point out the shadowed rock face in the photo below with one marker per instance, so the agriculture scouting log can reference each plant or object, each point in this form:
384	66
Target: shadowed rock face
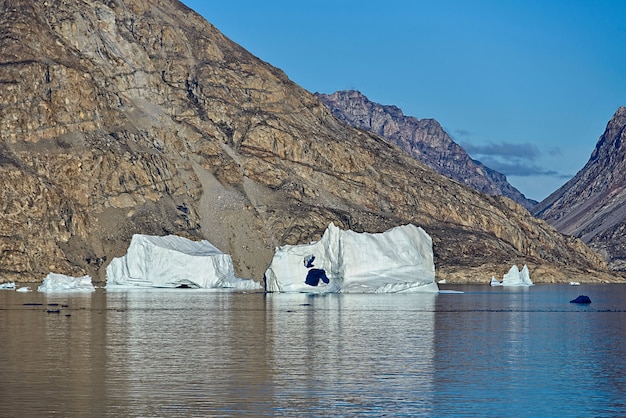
423	139
592	205
121	117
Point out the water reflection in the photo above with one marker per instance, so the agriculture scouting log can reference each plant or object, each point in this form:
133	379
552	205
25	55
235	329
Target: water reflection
353	352
50	360
195	351
531	353
487	352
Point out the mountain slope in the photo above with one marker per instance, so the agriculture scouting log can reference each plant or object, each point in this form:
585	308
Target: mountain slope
592	205
423	139
138	116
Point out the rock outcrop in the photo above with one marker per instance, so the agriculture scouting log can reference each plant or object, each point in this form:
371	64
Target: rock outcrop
138	116
592	205
423	139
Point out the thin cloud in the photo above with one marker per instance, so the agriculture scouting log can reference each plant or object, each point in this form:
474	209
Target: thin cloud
524	151
513	159
520	167
462	133
555	151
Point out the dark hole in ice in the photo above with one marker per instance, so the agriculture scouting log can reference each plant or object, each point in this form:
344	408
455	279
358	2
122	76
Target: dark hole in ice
184	286
314	276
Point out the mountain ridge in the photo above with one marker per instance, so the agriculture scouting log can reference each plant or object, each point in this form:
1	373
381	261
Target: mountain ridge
589	205
424	139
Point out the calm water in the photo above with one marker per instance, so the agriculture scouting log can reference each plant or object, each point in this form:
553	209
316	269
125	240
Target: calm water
156	353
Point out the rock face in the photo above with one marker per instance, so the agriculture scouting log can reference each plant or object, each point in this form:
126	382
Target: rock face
423	139
137	116
592	205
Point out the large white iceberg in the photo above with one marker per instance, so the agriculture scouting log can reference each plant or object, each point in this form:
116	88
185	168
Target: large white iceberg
55	282
173	261
398	260
514	277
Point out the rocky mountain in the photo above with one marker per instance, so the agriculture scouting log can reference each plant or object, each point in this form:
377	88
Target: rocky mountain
139	116
592	205
423	139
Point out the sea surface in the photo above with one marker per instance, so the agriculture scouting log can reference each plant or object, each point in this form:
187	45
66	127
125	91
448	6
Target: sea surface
489	352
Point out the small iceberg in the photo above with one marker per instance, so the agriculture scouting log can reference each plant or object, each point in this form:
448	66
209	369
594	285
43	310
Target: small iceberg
54	283
514	277
494	282
24	289
574	283
7	286
442	281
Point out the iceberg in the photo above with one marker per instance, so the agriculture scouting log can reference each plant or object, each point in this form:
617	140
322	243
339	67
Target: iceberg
174	262
7	286
495	282
515	277
55	282
397	260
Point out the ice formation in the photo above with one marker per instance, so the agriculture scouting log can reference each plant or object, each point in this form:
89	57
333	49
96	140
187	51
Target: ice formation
398	260
495	282
514	277
7	286
173	261
55	282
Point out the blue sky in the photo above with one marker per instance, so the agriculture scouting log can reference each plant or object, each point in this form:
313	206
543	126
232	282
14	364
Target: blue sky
526	87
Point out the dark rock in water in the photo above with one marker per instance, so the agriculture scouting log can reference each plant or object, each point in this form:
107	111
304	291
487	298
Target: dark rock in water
581	299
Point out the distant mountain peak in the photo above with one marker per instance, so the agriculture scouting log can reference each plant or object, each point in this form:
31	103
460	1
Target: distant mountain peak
423	139
590	205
